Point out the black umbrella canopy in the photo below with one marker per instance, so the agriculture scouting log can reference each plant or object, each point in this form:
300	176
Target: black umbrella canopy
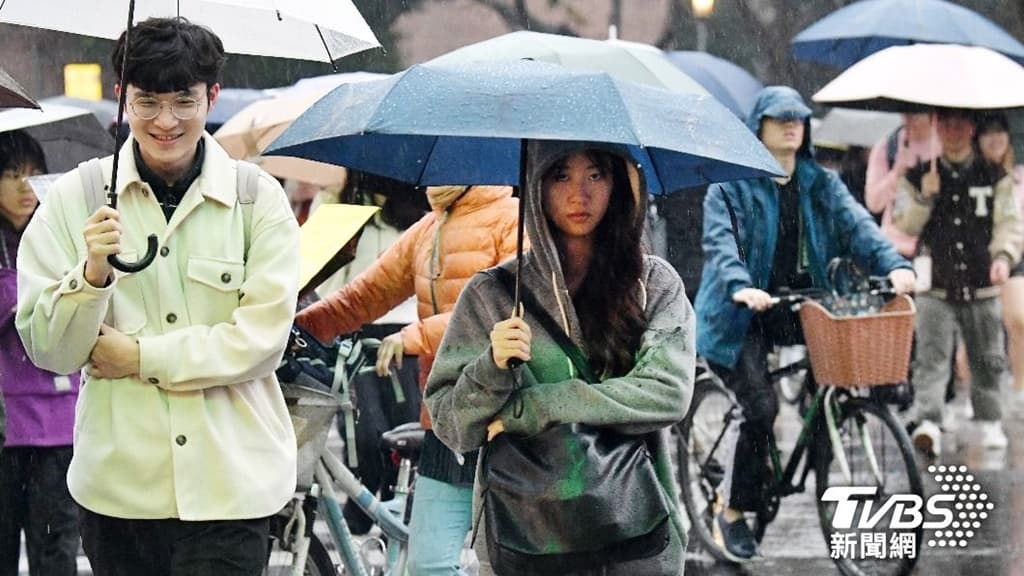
66	134
12	95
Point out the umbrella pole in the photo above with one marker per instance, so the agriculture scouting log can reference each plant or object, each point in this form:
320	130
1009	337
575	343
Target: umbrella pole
521	225
520	228
122	99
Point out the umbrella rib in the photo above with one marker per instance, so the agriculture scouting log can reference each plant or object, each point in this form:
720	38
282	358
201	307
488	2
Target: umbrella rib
426	162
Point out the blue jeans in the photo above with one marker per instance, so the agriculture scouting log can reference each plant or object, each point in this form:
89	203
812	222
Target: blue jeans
442	515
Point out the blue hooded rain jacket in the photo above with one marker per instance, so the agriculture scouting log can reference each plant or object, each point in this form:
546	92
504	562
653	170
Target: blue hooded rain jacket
834	225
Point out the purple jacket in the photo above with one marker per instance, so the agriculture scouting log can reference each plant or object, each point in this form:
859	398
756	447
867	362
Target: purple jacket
40	404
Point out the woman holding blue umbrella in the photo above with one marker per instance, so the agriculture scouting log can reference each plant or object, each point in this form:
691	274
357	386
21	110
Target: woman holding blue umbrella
600	357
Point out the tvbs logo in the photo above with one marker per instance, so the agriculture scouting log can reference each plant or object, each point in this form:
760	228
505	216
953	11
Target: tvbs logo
954	513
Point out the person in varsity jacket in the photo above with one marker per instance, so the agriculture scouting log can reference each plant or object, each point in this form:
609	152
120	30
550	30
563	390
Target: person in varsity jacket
968	221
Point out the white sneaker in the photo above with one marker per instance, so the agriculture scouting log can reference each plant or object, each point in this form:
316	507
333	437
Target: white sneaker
992	435
927	438
1017	404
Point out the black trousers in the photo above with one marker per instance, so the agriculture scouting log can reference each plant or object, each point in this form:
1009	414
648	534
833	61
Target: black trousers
750	382
34	498
171	547
379	411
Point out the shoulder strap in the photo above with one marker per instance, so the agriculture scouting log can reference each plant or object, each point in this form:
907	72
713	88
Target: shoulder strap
91	173
892	145
735	226
247	189
507	279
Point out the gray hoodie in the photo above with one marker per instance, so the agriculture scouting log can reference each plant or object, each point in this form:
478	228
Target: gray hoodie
466	390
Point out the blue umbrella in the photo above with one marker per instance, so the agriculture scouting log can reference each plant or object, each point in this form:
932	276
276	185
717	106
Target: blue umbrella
732	85
466	123
863	28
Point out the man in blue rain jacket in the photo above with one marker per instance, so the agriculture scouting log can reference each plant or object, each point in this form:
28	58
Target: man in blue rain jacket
786	231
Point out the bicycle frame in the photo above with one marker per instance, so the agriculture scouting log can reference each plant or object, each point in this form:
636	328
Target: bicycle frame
322	497
783	475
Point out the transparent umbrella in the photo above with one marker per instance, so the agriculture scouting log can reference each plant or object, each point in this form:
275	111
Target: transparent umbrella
305	29
12	95
630	61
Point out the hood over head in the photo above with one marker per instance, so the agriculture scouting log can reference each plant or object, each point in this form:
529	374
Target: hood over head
782	103
541	156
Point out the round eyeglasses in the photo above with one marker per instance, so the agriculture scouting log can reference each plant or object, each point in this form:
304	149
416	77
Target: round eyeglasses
150	108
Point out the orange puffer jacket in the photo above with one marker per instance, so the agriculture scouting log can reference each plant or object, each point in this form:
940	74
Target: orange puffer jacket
433	259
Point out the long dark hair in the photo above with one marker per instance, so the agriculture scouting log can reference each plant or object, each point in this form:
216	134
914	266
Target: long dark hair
608	300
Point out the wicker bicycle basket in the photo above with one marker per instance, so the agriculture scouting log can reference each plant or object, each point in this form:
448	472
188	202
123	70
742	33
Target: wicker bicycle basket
312	412
867	350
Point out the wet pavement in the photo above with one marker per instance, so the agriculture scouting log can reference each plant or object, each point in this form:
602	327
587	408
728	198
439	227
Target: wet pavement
794	543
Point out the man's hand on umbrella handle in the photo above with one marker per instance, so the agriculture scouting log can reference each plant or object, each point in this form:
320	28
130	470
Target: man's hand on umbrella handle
510	339
102	234
390	349
930	184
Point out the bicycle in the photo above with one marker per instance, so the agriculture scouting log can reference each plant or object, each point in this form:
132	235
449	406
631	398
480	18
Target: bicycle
848	437
295	548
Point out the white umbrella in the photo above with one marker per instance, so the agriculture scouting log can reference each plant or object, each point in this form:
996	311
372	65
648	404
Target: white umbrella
304	29
282	28
909	78
630	61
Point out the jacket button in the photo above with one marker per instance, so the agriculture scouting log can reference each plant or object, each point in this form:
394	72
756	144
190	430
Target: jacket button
956	221
172	318
154	381
181	440
164	251
73	284
956	197
225	277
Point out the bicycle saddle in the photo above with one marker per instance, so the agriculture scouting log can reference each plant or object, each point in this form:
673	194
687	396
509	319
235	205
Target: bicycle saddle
405	439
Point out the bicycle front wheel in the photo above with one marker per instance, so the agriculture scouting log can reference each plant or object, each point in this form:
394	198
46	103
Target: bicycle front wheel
700	453
874	455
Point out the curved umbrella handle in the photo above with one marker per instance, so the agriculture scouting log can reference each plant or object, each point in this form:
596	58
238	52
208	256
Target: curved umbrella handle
146	260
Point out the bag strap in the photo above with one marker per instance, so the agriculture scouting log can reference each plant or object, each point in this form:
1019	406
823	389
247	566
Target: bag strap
91	174
248	189
579	360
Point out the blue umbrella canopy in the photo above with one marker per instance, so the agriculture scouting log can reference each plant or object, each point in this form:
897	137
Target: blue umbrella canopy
732	85
437	124
863	28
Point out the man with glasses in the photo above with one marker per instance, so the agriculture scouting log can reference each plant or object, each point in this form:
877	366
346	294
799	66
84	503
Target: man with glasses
183	444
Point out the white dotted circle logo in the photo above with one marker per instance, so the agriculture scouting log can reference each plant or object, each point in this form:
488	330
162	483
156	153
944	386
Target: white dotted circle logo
970	506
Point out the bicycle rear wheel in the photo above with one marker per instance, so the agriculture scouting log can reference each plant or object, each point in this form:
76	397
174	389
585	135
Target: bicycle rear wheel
879	456
700	454
279	562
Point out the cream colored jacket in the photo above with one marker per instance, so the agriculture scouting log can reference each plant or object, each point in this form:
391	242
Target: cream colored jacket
202	433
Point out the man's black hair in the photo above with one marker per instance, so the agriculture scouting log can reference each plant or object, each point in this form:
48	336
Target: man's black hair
170	55
18	150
